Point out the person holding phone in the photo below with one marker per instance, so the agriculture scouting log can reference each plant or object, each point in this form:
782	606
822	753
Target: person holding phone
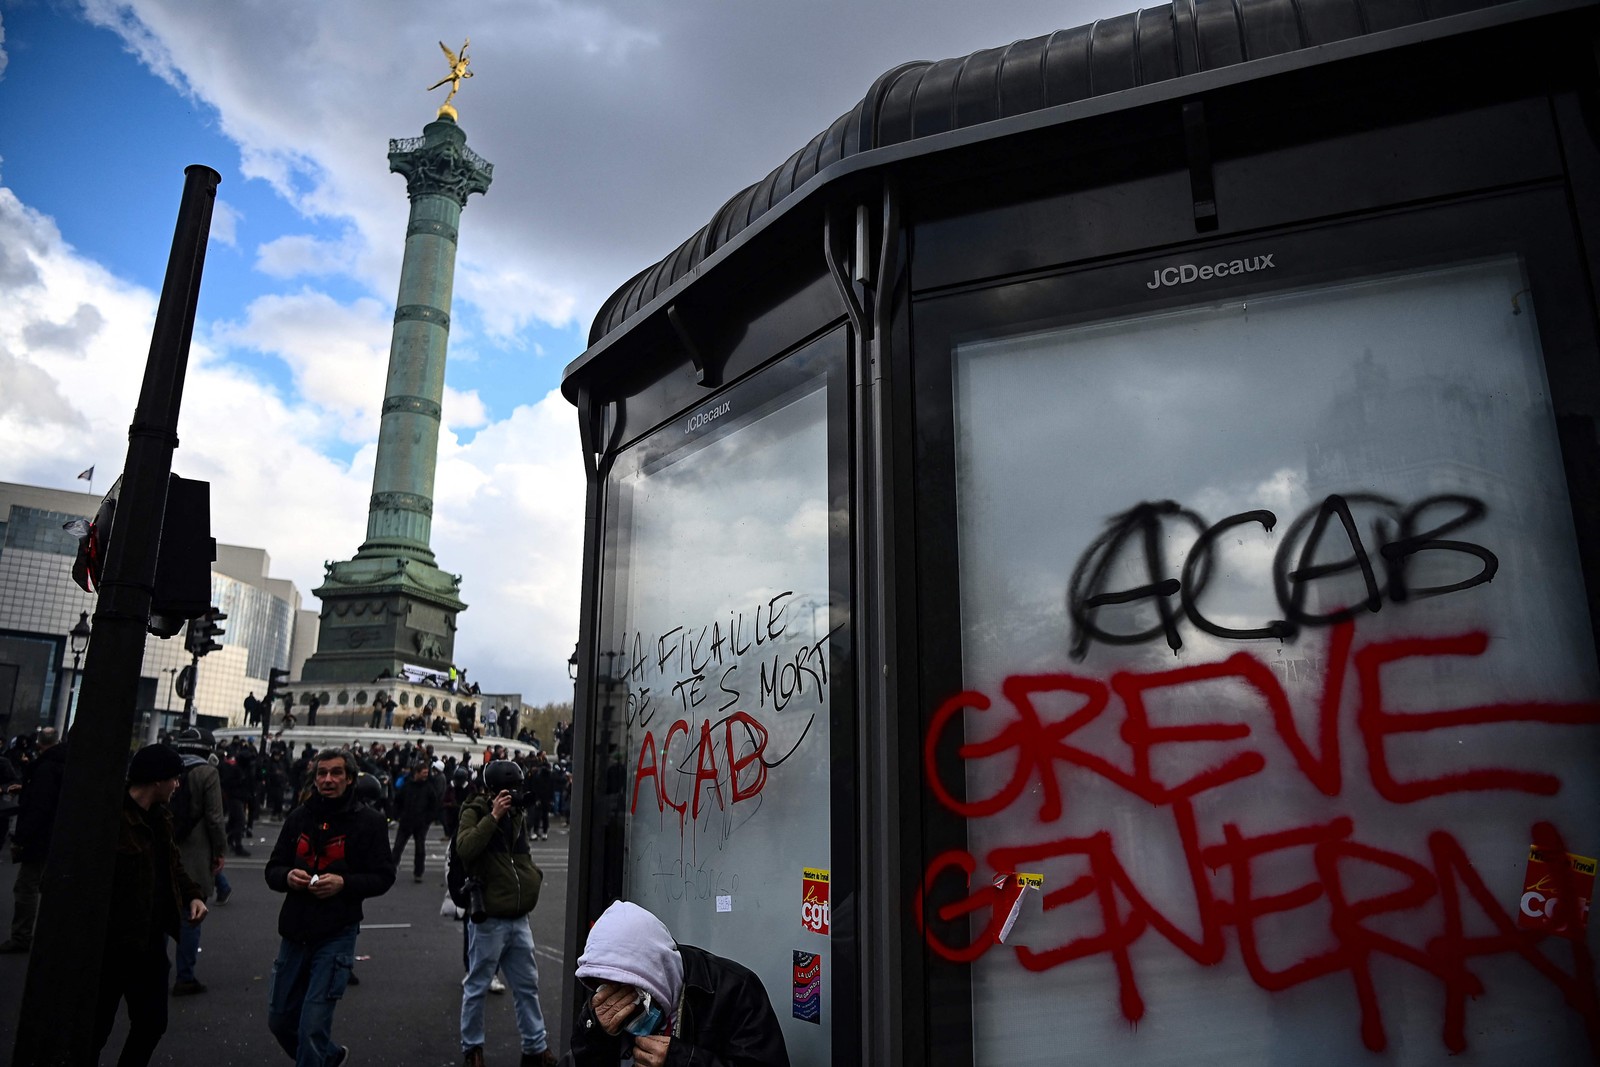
663	1002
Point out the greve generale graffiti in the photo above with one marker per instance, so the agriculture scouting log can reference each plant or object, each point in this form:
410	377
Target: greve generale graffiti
1441	891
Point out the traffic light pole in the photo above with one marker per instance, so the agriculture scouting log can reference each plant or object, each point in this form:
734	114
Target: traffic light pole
188	697
56	1025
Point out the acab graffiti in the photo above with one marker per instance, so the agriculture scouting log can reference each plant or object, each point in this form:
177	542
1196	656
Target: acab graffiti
1033	754
735	683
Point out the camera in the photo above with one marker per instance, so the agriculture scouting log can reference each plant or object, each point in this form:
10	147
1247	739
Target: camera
476	911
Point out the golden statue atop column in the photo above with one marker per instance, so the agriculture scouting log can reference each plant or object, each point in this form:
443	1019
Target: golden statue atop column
458	74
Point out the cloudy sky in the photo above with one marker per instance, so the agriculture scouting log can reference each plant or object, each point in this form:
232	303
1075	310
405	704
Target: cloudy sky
616	128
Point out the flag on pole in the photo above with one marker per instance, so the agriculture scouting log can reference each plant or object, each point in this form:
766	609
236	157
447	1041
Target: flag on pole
87	476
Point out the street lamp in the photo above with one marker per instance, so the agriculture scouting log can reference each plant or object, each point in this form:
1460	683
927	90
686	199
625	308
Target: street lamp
78	638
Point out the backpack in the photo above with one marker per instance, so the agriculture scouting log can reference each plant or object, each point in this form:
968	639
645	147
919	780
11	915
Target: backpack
183	805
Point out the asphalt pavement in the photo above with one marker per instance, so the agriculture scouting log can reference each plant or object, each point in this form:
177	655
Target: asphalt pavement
407	1008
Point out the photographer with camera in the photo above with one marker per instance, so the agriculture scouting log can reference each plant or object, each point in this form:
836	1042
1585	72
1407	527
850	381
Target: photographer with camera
492	842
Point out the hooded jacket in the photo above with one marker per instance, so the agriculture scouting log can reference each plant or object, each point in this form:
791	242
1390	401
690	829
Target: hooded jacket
496	853
323	836
718	1013
207	838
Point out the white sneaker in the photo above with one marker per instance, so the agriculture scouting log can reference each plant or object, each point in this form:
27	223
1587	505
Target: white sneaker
496	986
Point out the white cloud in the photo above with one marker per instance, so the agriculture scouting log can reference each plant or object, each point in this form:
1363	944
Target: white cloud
225	223
337	353
509	513
293	255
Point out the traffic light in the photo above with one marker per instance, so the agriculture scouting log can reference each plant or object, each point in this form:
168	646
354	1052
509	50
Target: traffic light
183	563
203	632
276	677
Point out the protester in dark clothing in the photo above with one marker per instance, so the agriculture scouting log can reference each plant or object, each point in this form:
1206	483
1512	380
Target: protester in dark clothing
149	893
36	819
657	1000
10	795
332	854
311	711
236	793
417	805
541	791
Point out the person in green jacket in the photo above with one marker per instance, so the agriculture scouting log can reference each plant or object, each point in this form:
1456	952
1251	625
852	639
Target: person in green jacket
492	842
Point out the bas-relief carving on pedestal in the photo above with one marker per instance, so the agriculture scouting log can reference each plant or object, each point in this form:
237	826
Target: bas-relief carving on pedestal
361	636
428	646
402	502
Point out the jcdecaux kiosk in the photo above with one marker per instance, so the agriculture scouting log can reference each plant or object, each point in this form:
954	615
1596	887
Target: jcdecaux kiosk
1096	558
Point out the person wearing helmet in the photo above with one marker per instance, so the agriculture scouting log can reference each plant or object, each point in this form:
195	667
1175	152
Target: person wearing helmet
492	841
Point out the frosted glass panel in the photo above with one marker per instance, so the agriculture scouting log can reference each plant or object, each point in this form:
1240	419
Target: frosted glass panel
721	683
1277	662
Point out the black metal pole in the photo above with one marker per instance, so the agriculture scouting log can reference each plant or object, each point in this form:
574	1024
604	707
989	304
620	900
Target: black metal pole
194	683
56	1025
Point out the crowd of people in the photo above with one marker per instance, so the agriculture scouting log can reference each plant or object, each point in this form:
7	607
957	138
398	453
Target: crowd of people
465	718
189	801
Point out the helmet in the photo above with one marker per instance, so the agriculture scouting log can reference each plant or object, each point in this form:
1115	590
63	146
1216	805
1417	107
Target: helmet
191	742
368	789
502	774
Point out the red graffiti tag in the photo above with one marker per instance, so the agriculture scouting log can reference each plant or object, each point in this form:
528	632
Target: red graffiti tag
960	913
738	730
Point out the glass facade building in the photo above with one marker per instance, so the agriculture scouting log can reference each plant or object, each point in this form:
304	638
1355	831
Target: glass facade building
40	604
1097	557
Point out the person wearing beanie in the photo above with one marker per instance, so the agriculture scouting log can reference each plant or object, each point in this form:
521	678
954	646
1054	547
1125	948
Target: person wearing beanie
150	892
664	1002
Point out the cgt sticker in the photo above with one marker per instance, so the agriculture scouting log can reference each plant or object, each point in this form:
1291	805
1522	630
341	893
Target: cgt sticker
808	987
1556	893
814	910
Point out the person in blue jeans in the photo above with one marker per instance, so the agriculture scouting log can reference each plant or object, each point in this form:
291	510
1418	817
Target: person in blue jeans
200	829
492	841
332	854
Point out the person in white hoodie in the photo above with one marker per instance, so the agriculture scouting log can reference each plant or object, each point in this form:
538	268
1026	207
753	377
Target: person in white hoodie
669	1004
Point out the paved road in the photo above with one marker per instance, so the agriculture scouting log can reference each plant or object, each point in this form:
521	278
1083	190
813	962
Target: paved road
406	1009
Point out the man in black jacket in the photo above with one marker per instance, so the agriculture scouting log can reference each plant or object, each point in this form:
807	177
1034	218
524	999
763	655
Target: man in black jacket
30	845
149	892
332	854
669	1003
417	806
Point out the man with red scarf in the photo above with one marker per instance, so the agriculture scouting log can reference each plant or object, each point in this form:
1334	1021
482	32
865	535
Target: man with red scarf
332	854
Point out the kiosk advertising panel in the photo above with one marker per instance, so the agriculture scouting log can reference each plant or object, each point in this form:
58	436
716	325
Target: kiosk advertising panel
1278	678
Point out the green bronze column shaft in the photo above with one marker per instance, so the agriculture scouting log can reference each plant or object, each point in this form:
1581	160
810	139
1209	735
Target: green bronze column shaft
441	172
